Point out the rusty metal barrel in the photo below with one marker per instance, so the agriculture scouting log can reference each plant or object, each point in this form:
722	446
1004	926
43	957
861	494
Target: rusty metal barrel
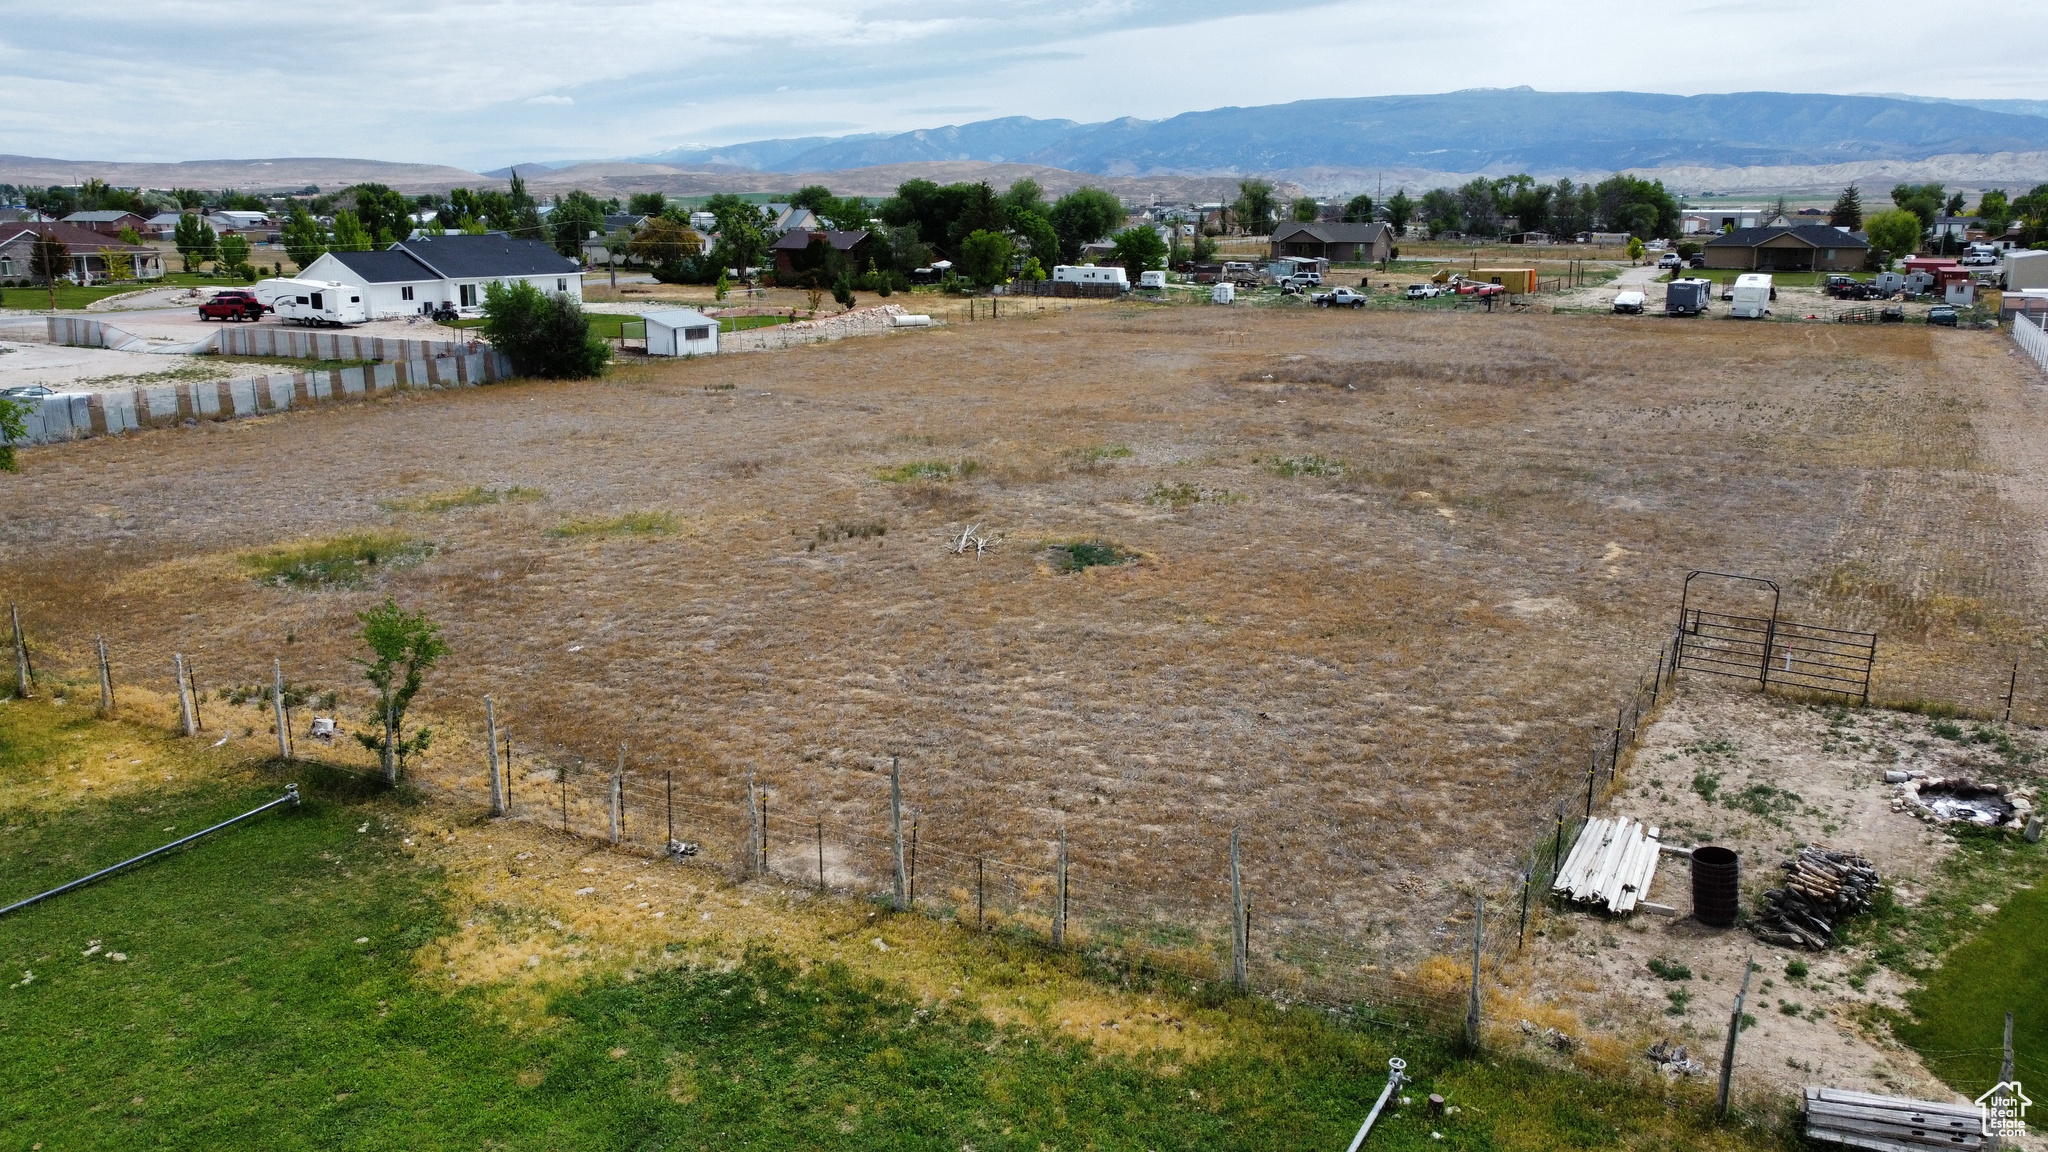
1716	885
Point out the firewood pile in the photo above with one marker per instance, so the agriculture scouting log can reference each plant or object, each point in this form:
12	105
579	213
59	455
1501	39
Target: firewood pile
1821	887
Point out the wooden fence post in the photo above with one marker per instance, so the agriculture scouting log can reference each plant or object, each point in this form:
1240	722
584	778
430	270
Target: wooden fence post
765	864
491	748
618	804
1059	909
1239	962
821	854
284	730
753	828
1734	1029
22	683
507	737
669	783
896	832
186	720
106	678
911	886
1472	1008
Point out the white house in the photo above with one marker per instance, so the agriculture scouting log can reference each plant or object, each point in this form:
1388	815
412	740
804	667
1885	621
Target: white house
681	332
421	274
225	222
164	225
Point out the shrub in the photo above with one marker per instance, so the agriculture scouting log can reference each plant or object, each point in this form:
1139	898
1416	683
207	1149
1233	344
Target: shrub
543	335
1664	969
929	470
630	523
1175	496
341	561
1074	555
1312	465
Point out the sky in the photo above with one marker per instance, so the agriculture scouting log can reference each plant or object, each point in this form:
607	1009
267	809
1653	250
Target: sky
485	83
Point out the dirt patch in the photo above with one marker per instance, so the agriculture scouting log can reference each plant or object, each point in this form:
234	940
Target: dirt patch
1764	776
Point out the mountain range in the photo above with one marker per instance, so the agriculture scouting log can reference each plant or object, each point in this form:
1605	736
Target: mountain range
1499	130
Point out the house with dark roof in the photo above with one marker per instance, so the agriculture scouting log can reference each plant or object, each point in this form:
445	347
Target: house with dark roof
108	223
1335	242
90	253
1788	248
422	274
790	252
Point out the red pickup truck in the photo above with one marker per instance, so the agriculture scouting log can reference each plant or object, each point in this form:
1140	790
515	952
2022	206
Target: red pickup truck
232	304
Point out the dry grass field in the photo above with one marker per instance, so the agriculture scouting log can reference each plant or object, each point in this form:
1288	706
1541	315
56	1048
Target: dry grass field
1385	575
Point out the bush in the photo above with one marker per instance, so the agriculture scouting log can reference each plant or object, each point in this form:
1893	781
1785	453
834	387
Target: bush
543	335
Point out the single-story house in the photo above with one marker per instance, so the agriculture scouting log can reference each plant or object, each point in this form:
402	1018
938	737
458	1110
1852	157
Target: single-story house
1788	248
852	245
1700	220
238	223
787	218
419	275
163	225
22	216
1340	243
1955	227
681	332
89	250
108	223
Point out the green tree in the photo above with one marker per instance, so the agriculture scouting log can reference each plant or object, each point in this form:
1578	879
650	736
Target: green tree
1204	248
1032	270
1994	209
1084	216
521	215
722	288
1848	210
13	426
1254	206
1641	208
49	260
646	204
1025	196
574	218
664	241
842	292
543	335
741	240
1635	248
1954	206
1893	233
385	214
1479	206
194	239
815	197
1305	210
188	198
985	258
1358	209
1139	250
1922	200
1040	238
1440	212
349	233
234	254
304	239
1400	209
405	646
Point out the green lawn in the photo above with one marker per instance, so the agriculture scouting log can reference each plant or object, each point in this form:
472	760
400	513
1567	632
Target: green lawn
268	996
72	296
1782	279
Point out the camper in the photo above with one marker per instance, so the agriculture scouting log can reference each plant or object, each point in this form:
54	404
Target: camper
1152	280
1752	299
1224	292
1092	274
1687	297
314	303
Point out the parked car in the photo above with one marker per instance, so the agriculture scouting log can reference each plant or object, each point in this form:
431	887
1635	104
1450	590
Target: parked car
1339	297
1670	260
1631	302
1301	281
233	304
1942	314
1979	259
26	392
1699	260
1424	291
1475	288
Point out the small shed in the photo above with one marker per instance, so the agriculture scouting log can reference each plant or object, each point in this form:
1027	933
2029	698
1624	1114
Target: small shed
681	332
1516	280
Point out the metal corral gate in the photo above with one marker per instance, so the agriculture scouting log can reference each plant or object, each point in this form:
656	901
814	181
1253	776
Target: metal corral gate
1770	650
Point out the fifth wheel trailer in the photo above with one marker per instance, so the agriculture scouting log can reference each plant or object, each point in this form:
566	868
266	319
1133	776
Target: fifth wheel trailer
313	302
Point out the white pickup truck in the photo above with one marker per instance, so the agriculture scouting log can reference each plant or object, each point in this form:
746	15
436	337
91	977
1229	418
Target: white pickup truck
1339	297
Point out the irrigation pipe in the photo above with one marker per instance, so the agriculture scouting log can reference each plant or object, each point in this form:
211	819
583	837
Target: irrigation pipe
1394	1078
291	797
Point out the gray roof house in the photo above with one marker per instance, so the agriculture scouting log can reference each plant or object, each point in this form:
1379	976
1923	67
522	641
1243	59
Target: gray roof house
1336	242
415	276
1788	248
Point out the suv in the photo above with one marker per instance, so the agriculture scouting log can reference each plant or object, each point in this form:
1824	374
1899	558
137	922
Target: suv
232	304
1670	260
1943	315
1424	291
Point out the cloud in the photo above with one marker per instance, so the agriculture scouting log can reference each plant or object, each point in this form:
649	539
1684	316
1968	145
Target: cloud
713	71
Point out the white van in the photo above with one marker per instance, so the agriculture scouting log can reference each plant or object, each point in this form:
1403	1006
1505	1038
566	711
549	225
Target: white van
1752	298
314	303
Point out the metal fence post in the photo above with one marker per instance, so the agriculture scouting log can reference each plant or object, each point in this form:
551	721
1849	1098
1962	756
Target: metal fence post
284	746
1059	909
618	797
1734	1029
106	678
491	747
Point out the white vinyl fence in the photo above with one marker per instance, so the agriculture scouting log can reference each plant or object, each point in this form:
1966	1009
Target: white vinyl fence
2027	332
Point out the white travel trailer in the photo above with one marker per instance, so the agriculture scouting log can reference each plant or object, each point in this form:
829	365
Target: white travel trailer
315	303
1752	299
1152	280
1092	274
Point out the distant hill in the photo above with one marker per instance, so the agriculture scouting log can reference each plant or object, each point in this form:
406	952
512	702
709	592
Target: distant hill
1476	130
281	174
2015	107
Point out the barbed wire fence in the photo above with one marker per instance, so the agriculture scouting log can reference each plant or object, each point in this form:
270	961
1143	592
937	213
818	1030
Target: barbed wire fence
1200	918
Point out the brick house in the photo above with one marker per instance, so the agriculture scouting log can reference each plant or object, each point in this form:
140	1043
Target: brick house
1788	248
852	245
89	250
1335	242
109	223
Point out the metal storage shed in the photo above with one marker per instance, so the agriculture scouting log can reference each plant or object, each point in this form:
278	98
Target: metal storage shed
681	332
